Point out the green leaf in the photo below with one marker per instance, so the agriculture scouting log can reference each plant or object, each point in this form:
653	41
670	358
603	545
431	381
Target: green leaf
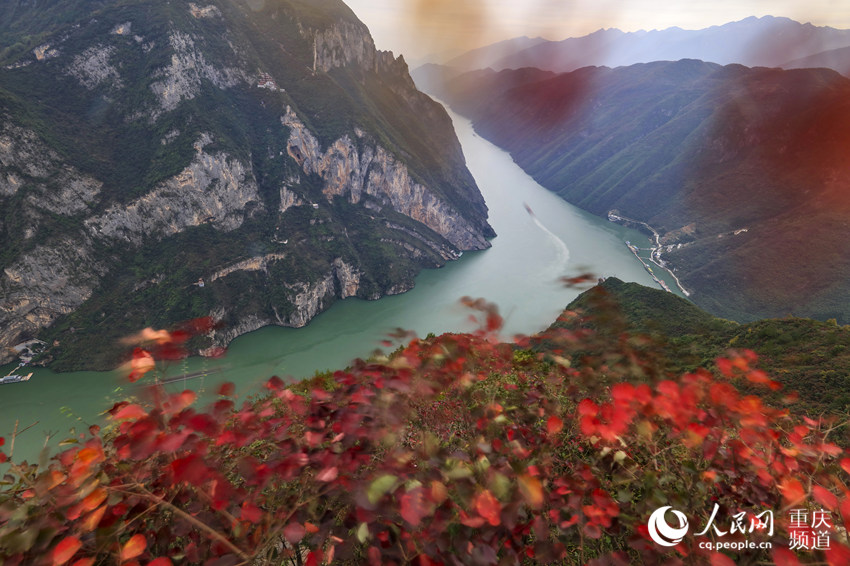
380	486
363	532
459	472
500	485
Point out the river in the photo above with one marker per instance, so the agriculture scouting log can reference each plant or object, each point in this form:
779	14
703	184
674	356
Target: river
519	273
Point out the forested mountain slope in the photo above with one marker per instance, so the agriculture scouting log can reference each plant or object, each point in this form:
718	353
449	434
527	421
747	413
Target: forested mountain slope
264	149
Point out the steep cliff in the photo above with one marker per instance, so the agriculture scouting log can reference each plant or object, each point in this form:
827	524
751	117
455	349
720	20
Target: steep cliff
253	161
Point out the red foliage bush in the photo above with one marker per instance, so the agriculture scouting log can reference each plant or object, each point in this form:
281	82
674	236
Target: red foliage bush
451	451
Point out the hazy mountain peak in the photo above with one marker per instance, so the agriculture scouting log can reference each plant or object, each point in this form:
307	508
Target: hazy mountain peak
766	41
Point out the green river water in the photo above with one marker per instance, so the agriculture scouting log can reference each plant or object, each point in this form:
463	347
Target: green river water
519	273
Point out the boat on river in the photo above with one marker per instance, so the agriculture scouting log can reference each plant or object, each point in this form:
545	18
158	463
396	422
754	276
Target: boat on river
13	377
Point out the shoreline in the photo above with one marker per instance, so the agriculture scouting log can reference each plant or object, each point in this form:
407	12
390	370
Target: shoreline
654	254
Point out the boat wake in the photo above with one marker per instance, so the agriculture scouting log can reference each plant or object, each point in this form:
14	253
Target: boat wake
563	252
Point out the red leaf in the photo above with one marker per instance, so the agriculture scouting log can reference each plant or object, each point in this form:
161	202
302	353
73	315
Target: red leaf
837	555
724	365
65	550
474	522
170	351
587	408
190	469
251	513
294	532
129	412
758	376
92	520
792	490
205	424
845	465
623	392
825	498
94	499
328	474
134	547
141	364
200	325
90	455
226	389
413	506
494	321
488	507
554	425
83	562
162	561
179	336
182	400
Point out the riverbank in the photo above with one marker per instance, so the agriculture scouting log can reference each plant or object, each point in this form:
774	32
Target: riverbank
654	252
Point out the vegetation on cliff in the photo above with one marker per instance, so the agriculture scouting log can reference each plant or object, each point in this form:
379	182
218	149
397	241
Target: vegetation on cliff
809	357
148	145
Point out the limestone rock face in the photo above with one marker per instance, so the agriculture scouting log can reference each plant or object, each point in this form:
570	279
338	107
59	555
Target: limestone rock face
213	189
27	161
308	299
53	280
92	67
375	172
182	78
43	285
254	161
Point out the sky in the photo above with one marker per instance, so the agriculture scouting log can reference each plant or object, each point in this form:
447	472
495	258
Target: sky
437	28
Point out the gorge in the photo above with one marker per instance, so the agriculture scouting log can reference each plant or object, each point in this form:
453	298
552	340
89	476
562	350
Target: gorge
519	273
254	162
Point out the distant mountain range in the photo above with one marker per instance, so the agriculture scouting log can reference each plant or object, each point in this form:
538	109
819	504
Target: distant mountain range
755	42
742	171
250	161
837	59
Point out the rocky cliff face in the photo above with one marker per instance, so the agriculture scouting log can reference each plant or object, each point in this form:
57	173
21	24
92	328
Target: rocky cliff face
213	189
56	278
308	299
251	161
374	172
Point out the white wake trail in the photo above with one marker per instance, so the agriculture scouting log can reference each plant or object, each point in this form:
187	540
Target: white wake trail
563	252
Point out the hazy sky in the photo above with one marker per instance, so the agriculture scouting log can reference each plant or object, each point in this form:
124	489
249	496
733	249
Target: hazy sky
420	27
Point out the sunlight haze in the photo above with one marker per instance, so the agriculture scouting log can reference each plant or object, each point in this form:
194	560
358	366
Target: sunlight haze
434	29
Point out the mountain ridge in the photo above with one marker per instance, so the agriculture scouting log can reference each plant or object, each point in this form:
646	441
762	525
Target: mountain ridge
737	168
178	141
768	41
806	356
